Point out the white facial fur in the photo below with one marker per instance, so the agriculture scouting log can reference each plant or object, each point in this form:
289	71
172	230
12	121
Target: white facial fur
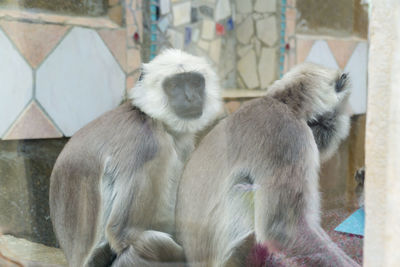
150	97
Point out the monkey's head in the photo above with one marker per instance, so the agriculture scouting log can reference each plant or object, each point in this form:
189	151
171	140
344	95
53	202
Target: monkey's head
179	89
323	93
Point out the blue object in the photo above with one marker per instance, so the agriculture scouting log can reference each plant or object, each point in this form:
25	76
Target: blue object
188	35
354	224
230	24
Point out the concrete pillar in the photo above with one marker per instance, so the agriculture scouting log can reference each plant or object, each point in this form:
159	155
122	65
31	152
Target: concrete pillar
382	239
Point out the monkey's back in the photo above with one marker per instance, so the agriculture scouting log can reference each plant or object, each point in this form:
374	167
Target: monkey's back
216	185
75	181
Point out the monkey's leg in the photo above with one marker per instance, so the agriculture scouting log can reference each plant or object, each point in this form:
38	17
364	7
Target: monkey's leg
283	217
125	238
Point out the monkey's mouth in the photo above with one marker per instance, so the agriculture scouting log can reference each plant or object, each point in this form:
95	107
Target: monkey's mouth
192	114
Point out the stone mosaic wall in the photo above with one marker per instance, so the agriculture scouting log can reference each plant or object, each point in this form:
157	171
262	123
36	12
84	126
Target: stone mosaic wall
60	72
239	37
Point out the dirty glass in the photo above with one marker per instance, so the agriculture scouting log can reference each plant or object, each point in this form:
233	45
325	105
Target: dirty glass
63	64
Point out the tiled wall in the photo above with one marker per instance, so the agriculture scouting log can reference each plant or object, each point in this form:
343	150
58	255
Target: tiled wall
349	53
59	72
240	37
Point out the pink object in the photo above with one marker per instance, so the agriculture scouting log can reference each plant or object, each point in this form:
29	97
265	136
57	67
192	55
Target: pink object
220	29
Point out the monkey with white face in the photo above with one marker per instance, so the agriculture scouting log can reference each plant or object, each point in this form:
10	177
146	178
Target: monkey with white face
113	187
254	177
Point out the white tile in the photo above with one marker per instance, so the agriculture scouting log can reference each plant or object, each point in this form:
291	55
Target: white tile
165	6
181	13
16	83
247	67
79	81
222	10
203	45
357	69
215	50
265	6
245	31
244	6
208	29
321	54
267	30
175	38
195	35
267	66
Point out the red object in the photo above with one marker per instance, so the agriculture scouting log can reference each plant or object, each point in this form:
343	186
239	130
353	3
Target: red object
220	29
136	37
287	46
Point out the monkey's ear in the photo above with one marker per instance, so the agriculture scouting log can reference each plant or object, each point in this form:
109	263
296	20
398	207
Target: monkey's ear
341	82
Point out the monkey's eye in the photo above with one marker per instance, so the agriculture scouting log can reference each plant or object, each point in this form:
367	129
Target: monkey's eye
341	82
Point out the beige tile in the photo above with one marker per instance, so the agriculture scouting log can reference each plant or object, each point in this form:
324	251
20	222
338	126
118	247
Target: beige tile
131	80
32	124
303	47
116	42
115	13
34	41
232	106
342	50
134	59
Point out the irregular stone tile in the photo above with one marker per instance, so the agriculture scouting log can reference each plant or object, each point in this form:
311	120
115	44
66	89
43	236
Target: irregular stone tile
116	42
181	13
134	59
357	67
175	38
195	35
207	11
303	47
267	30
265	6
267	66
34	41
79	81
222	10
245	6
16	83
321	54
342	50
203	45
194	15
247	68
165	7
241	51
113	2
245	31
32	124
215	50
163	23
208	29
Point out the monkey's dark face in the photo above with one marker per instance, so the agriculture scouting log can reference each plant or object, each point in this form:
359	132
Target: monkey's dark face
185	93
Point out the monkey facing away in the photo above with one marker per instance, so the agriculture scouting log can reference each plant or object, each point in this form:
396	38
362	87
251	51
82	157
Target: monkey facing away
113	187
254	177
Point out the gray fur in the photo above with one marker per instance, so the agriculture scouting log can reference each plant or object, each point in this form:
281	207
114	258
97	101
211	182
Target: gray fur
113	187
267	143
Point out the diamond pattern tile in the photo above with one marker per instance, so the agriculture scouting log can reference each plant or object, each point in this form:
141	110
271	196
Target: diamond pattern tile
34	41
116	42
303	47
357	68
342	50
79	81
32	124
16	83
321	54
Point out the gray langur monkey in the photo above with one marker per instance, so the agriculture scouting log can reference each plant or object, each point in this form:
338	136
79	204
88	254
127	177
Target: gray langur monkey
254	178
113	187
